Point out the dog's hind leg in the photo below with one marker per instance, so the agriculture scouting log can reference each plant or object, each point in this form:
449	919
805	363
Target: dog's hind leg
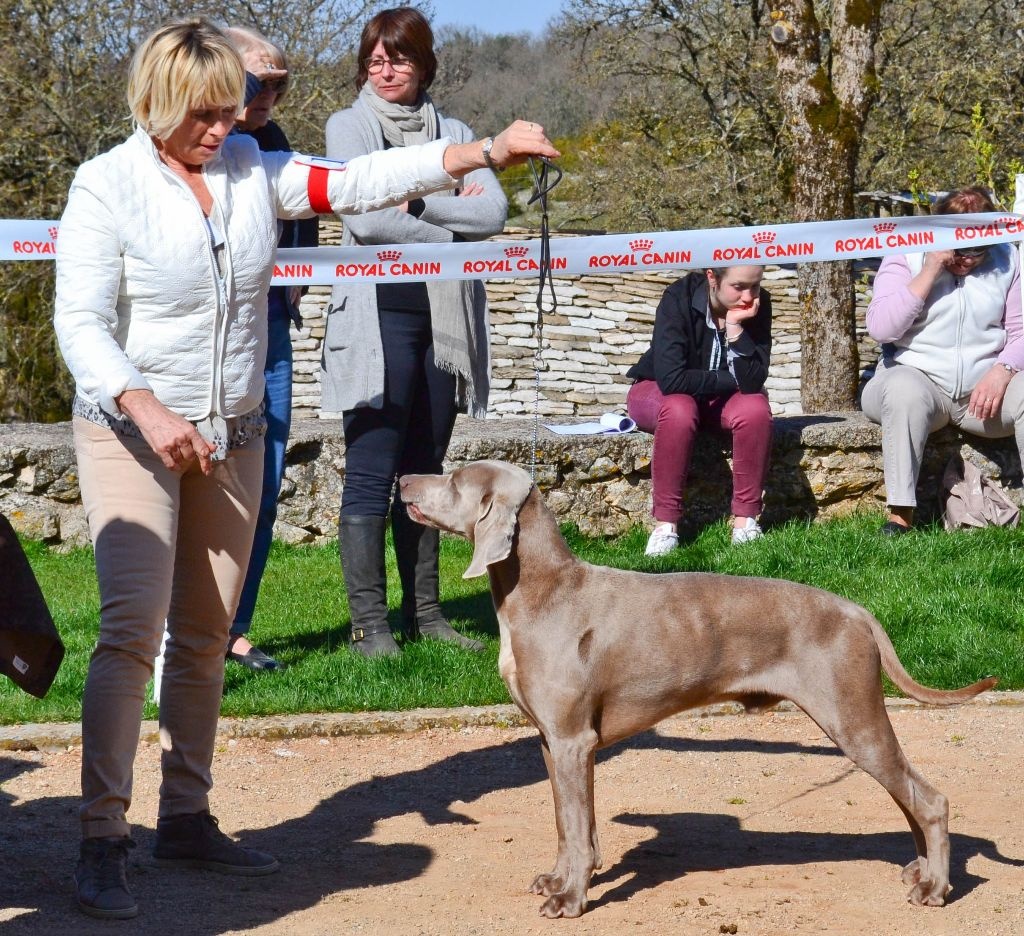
860	726
570	763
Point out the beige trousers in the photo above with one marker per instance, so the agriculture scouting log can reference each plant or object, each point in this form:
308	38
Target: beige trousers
910	407
169	546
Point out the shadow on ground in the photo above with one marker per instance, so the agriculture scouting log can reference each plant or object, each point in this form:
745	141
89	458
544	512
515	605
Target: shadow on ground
323	853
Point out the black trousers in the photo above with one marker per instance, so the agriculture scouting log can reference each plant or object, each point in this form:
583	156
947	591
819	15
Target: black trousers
410	435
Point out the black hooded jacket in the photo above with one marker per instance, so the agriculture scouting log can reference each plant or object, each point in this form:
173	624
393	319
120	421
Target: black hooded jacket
682	349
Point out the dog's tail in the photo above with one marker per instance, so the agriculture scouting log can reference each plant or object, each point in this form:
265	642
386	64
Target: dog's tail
906	683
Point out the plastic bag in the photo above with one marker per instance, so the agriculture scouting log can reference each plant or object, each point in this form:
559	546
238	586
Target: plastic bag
970	499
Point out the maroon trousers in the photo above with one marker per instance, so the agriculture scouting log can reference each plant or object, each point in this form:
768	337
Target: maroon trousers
675	419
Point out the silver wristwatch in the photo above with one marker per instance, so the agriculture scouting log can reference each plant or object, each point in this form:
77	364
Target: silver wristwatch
486	150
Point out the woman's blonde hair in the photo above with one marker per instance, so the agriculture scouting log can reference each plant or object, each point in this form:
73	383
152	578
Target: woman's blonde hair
181	66
250	41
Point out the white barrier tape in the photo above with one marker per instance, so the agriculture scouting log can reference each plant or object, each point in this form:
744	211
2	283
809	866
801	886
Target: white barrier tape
606	253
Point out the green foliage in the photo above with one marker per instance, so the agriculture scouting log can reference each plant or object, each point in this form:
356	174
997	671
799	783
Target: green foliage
489	81
951	602
695	137
948	106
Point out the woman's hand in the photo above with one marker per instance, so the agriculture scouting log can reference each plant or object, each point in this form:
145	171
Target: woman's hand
515	144
519	141
742	313
934	263
472	188
737	315
169	435
937	260
987	397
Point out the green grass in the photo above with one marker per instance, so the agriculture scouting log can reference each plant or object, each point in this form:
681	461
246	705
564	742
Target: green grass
953	604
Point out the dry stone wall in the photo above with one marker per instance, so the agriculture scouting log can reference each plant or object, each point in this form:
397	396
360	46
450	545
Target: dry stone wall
822	466
601	327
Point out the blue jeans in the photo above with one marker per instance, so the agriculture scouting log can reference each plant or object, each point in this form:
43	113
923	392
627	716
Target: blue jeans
278	398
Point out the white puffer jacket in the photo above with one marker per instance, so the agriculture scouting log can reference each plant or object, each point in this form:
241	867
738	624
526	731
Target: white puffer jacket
139	303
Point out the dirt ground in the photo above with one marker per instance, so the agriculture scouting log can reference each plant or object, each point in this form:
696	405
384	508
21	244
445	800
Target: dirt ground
749	824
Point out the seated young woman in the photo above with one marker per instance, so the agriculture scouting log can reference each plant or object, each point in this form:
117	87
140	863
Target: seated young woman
705	370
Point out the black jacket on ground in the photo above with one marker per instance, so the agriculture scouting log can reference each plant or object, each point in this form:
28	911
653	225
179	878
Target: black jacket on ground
30	647
679	357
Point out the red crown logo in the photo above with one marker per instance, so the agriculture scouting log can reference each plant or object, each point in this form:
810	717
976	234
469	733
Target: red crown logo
641	243
1007	220
389	255
53	233
764	237
516	251
885	227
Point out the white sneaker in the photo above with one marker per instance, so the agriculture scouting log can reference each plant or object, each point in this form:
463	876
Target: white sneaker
661	542
749	531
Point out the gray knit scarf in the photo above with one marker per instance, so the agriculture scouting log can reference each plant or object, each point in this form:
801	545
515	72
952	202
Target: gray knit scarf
404	124
458	348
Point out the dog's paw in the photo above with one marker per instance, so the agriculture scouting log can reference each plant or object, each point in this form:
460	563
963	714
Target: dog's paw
912	872
547	884
563	905
928	893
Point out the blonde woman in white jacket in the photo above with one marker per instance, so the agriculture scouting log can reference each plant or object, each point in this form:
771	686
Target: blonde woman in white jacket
166	252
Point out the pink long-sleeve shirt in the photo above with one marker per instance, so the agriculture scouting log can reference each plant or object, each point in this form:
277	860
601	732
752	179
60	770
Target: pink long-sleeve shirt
894	309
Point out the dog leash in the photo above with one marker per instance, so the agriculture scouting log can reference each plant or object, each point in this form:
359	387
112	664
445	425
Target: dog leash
544	180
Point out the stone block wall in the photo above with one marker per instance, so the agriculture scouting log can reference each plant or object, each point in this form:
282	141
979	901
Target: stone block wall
601	327
822	466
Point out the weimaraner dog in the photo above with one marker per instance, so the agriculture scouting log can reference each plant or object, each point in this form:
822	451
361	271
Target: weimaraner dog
592	655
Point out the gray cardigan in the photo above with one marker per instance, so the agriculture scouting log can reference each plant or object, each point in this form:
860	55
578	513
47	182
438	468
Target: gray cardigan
352	366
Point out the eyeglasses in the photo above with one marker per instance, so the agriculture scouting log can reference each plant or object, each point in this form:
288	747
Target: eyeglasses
970	253
400	64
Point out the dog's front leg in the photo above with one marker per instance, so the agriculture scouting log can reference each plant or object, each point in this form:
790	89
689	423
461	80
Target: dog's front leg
570	763
554	881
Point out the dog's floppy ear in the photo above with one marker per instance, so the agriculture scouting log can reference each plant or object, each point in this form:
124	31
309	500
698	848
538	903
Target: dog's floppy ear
496	525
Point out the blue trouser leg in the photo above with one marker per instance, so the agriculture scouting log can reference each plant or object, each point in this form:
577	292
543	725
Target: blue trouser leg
278	372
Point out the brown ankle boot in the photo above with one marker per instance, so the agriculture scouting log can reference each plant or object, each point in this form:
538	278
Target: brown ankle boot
194	840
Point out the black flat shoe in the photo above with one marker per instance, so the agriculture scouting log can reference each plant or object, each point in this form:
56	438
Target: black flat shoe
892	528
255	659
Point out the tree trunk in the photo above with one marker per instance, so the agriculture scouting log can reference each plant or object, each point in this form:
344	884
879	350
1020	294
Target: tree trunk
826	85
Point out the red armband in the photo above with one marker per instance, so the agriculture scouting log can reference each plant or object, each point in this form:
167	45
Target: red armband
317	190
320	170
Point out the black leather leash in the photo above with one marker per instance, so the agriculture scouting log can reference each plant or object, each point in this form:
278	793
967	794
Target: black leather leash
544	181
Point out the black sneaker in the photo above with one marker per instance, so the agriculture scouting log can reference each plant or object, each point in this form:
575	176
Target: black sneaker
193	840
101	877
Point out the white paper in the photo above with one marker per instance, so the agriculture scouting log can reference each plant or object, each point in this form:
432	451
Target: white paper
610	424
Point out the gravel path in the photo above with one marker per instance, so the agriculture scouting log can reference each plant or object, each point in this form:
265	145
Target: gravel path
749	824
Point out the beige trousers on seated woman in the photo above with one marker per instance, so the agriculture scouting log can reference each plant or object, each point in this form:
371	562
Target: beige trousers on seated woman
169	545
910	406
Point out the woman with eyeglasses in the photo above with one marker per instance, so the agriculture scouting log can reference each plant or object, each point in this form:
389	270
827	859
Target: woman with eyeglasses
266	82
952	319
400	360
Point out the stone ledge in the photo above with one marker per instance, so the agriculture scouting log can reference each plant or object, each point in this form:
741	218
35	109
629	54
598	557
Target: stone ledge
822	466
60	736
